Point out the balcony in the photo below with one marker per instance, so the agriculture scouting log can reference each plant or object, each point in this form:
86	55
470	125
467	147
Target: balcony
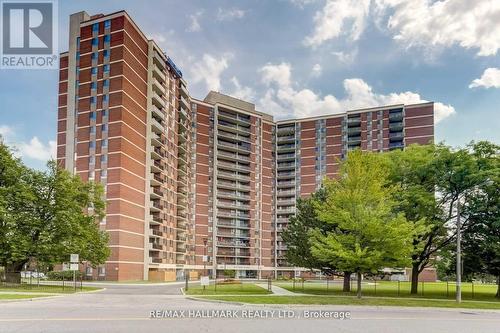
286	193
156	180
354	139
290	210
354	130
155	233
233	166
286	147
232	194
233	156
233	224
227	126
233	234
155	247
396	126
396	116
282	220
396	145
242	147
158	112
158	73
232	175
232	244
156	167
286	139
184	102
288	183
286	166
233	214
156	126
184	91
286	130
237	117
287	175
156	140
285	157
158	100
233	205
289	202
158	60
155	206
396	136
353	121
229	135
232	185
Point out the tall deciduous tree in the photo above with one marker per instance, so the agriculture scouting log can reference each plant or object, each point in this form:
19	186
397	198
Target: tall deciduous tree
47	215
296	237
367	235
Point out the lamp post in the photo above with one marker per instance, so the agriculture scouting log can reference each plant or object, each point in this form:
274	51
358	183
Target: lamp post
459	255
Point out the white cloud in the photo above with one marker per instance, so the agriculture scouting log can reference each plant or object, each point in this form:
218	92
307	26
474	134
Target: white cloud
282	95
34	149
339	17
242	92
230	14
489	79
195	22
471	24
37	150
302	3
209	70
316	70
346	57
280	74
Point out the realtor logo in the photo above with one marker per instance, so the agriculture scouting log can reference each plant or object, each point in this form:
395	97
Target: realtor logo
28	34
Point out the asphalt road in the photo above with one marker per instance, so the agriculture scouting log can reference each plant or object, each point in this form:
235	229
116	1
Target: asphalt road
127	308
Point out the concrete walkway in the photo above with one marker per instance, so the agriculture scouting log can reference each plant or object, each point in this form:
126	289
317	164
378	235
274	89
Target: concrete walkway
277	290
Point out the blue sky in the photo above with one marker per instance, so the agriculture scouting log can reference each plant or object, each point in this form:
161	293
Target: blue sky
297	58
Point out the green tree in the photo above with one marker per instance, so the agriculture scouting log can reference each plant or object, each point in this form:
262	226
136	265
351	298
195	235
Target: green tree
432	179
296	237
47	215
367	235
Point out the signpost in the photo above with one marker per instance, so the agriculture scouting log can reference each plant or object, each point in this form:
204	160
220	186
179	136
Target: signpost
74	259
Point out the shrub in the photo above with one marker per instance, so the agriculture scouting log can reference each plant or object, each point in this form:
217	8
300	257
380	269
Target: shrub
63	275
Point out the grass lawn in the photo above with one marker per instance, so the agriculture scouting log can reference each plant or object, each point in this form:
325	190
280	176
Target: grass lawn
19	296
46	289
339	300
438	290
227	289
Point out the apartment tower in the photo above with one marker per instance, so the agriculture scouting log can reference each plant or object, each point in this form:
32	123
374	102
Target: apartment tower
124	121
196	186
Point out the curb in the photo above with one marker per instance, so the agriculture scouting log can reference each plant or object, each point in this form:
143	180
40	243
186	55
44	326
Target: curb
207	300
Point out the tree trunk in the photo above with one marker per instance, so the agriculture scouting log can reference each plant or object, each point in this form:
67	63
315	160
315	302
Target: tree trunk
359	285
414	279
13	272
347	282
498	289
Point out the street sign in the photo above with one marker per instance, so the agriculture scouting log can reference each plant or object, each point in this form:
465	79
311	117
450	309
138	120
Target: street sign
73	267
74	258
65	267
205	281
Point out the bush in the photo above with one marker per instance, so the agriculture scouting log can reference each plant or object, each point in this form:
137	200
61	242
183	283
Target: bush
63	275
229	273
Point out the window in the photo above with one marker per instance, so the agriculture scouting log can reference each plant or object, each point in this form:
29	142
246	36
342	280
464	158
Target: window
94	56
77	70
93	85
92	100
92	115
92	129
107	38
106	68
106	54
104	158
104	143
95	41
93	71
101	270
77	55
88	270
104	127
104	173
92	160
107	24
104	98
106	83
104	113
77	41
95	27
91	144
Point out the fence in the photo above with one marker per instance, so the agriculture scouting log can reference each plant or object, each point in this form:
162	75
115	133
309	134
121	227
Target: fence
37	282
374	287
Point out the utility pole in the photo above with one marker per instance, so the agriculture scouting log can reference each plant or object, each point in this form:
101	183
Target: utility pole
459	255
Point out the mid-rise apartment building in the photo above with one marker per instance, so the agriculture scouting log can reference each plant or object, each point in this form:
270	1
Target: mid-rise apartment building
196	186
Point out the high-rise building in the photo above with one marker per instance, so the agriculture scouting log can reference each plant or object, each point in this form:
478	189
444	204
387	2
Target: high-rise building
196	186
